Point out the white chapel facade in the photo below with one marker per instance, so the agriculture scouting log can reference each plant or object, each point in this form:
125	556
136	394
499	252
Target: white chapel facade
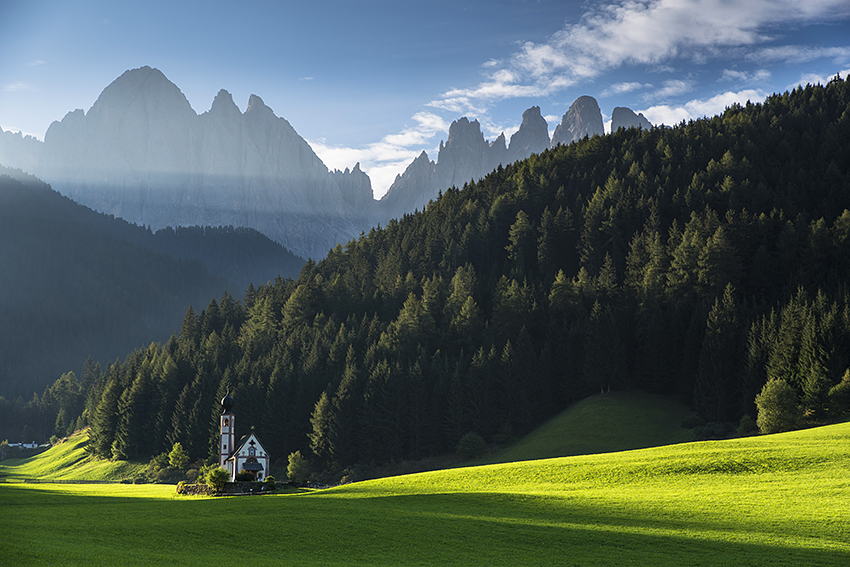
247	454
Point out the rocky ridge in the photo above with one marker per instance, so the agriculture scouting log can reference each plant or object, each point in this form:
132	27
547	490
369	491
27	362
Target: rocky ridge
143	154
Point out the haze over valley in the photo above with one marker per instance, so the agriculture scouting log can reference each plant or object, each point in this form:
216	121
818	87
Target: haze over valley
141	153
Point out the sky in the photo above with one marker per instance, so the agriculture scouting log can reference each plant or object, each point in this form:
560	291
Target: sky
377	82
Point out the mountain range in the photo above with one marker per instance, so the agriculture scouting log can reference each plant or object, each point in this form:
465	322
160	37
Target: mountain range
143	154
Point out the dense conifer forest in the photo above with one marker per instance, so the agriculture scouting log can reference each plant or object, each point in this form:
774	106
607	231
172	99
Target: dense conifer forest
698	262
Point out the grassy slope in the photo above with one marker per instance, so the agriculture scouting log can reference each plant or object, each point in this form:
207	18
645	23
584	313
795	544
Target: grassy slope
68	461
617	421
771	500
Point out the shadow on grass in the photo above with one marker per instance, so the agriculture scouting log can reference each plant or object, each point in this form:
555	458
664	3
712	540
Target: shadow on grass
446	529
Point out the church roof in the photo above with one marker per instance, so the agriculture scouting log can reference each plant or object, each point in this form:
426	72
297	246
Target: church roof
245	441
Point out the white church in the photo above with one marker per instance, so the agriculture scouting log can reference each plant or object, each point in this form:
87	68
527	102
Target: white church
247	454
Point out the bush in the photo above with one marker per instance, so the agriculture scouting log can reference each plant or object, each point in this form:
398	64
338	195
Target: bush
269	483
244	476
192	475
470	446
299	468
216	478
178	458
778	407
158	462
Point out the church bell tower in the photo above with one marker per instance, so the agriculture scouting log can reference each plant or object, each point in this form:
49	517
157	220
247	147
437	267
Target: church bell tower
228	431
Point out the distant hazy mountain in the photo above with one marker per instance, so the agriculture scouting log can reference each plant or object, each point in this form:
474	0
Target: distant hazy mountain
142	153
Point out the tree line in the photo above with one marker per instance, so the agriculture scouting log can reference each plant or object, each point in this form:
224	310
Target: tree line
699	261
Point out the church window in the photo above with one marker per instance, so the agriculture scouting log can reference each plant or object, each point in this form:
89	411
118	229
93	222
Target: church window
252	451
225	423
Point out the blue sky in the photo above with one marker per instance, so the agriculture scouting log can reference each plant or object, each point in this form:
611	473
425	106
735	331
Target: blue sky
379	81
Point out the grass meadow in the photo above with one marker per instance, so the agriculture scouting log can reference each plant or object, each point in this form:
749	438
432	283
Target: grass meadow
770	500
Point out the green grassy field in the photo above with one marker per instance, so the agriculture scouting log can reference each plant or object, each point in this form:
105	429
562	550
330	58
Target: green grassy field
69	461
616	421
771	500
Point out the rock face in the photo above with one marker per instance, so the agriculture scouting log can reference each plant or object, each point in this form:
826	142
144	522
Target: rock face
582	119
465	156
626	118
532	136
143	154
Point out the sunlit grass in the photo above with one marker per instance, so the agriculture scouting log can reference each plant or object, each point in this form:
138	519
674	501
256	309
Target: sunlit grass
69	461
773	500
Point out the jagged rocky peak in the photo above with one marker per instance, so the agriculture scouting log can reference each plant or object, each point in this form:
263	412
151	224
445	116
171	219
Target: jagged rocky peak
582	119
626	118
532	136
258	110
355	185
223	104
143	91
464	134
499	143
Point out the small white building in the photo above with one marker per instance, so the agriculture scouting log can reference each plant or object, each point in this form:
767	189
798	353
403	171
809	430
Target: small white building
248	454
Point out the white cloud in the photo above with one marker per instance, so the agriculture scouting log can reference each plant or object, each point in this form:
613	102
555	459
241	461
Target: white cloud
622	88
16	87
798	53
652	32
671	88
457	105
743	76
698	108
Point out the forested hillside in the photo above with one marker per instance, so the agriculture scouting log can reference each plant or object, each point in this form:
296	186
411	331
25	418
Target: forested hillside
75	283
697	262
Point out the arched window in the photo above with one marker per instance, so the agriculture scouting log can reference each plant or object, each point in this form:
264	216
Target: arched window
252	451
225	422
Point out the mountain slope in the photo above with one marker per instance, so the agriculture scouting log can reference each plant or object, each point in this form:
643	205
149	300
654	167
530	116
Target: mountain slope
695	262
76	283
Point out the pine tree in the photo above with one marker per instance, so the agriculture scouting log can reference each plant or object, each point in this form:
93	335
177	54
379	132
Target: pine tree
720	361
321	436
